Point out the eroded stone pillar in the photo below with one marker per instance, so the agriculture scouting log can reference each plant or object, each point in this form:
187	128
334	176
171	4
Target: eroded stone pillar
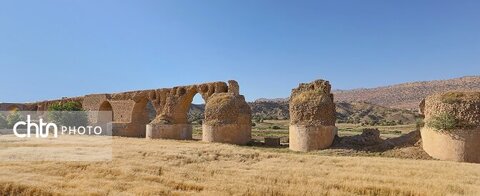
312	117
227	119
172	122
452	126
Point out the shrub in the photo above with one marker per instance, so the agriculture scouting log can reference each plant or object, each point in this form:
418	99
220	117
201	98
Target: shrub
275	127
384	122
444	121
399	122
67	106
68	114
419	123
3	122
253	124
13	118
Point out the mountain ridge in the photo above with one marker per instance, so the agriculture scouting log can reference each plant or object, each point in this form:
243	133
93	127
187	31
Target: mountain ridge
403	95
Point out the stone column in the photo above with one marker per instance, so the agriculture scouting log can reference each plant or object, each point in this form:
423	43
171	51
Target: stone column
452	126
227	119
312	117
172	122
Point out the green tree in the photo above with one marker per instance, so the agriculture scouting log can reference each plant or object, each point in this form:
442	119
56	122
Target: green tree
443	121
67	106
13	118
3	122
275	127
419	123
68	114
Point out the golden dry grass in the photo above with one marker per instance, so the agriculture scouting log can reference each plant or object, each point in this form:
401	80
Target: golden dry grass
157	167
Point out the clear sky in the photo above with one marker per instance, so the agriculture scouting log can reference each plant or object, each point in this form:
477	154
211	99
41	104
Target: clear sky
50	49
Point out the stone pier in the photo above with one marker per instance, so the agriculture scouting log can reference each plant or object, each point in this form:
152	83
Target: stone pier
312	117
452	126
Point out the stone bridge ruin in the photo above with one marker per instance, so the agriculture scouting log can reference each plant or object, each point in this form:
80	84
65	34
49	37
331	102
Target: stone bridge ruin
227	115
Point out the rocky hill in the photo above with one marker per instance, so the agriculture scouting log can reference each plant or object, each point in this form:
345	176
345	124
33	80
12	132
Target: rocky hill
355	112
406	95
367	113
270	109
196	112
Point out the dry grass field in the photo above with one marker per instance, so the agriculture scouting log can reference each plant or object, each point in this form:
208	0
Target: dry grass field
159	167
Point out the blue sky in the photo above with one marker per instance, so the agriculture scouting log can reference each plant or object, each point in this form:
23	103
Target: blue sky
50	49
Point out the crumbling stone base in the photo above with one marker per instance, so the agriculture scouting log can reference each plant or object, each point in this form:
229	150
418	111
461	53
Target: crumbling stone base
307	138
169	131
457	145
227	133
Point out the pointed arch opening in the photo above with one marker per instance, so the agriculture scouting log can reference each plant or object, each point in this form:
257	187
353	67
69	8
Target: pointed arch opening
196	115
105	113
142	114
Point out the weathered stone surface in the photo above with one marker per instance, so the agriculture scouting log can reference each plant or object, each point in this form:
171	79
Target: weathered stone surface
173	131
227	108
239	134
312	117
227	119
464	106
272	141
308	138
461	143
312	104
233	87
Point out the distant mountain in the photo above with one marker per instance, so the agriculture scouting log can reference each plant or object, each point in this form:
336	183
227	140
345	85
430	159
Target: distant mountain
277	109
402	96
406	95
367	113
271	100
346	113
196	112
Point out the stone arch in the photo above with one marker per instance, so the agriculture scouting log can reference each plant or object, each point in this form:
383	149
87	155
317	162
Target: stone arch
186	103
196	123
104	117
143	112
196	116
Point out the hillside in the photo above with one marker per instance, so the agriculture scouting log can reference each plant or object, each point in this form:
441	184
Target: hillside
355	112
367	113
196	112
406	95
